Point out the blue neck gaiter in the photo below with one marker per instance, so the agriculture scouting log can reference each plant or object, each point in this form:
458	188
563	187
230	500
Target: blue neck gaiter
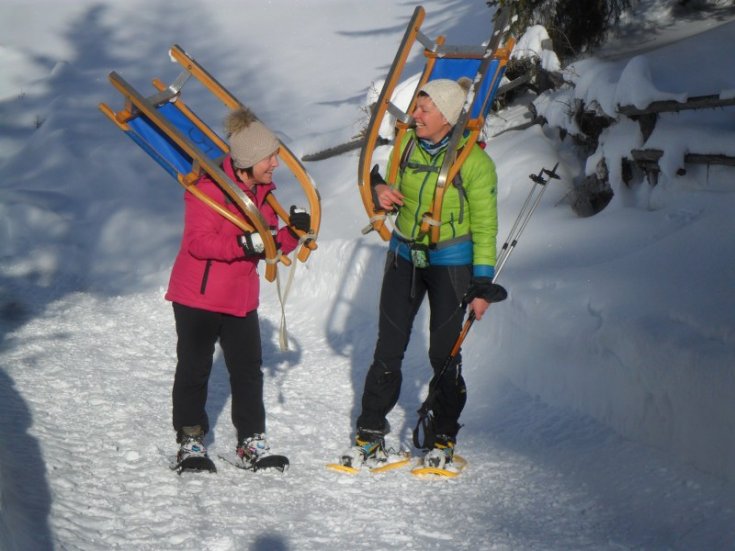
434	148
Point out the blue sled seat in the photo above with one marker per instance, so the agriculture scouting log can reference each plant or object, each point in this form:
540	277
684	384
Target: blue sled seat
454	69
163	149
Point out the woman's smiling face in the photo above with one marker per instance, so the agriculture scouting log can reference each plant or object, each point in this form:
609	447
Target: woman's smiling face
430	123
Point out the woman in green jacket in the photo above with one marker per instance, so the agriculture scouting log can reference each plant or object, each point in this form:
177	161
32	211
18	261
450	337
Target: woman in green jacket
459	267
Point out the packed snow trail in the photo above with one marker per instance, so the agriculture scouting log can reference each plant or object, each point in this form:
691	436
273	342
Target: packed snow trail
95	374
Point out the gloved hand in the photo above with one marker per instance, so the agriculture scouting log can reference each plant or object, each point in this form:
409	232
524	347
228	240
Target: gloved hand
376	178
299	219
251	243
391	199
484	288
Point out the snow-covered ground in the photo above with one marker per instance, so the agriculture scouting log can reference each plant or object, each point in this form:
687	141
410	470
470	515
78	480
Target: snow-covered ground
601	411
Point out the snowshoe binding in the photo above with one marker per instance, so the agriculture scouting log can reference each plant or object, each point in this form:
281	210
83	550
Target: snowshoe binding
369	451
192	455
254	454
441	460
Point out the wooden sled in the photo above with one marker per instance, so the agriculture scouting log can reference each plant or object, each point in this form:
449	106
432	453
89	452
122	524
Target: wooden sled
484	65
174	136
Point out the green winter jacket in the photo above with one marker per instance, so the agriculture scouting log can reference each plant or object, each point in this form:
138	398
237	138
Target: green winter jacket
469	218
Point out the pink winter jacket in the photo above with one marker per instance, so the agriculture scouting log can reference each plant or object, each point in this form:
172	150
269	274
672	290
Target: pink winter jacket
211	271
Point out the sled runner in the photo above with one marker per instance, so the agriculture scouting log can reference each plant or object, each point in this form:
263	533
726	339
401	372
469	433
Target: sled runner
175	137
484	65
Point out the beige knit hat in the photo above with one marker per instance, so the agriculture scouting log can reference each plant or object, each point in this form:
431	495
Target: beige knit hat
250	140
448	96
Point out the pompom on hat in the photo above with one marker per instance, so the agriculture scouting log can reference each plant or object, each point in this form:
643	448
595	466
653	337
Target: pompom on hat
448	96
250	140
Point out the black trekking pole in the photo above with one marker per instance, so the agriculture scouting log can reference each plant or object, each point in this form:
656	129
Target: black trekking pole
426	416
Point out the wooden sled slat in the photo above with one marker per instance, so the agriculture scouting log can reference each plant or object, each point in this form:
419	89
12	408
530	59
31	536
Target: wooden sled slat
376	214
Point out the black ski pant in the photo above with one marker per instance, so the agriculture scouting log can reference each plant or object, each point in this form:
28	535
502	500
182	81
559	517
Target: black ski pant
239	338
403	291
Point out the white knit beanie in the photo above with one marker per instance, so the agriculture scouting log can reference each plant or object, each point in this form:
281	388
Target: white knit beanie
250	140
448	96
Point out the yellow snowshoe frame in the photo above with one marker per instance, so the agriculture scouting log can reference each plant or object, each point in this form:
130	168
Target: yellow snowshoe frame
488	65
173	135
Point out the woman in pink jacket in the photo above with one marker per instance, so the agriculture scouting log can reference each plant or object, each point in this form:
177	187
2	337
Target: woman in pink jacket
214	288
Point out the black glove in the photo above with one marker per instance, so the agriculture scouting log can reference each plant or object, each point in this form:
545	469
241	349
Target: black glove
376	178
299	219
484	288
251	243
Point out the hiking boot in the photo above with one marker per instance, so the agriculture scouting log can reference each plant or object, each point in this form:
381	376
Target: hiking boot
441	456
191	443
253	449
369	445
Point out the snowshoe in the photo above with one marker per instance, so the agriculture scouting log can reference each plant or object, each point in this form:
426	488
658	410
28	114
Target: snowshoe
192	455
254	454
195	464
441	460
450	470
369	451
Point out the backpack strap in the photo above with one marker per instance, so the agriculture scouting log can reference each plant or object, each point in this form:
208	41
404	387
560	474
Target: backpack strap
459	185
406	155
